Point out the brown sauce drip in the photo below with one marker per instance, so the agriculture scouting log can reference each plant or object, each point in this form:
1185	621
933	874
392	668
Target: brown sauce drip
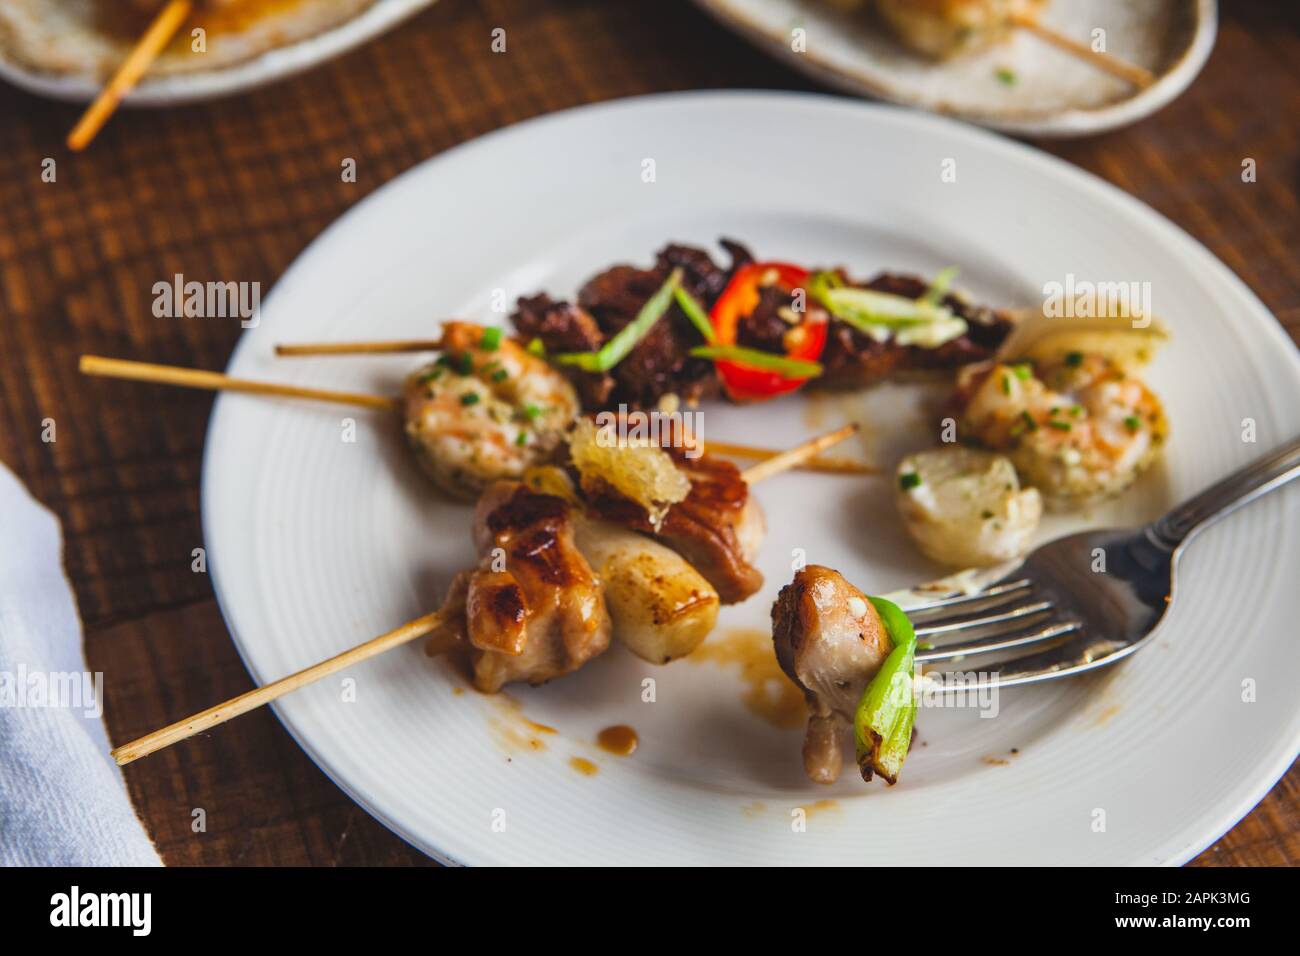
619	739
583	766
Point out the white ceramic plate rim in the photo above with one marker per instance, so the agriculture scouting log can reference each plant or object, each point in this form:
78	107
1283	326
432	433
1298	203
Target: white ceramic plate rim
1192	837
1065	123
268	67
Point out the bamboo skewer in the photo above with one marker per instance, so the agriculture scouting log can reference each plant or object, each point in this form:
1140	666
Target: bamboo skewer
138	61
217	382
820	463
1139	76
796	456
410	631
207	719
360	348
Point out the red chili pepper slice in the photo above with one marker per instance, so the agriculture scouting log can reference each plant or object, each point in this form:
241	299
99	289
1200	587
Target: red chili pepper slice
738	300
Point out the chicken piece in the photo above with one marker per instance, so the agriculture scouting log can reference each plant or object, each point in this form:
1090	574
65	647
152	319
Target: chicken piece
533	610
718	528
946	28
830	641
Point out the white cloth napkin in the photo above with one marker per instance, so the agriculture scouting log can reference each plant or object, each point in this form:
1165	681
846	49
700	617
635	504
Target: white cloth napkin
62	799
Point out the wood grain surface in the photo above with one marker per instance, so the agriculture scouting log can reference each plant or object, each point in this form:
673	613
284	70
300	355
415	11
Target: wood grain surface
236	188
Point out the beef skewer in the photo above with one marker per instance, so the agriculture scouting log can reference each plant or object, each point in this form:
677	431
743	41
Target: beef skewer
754	330
542	615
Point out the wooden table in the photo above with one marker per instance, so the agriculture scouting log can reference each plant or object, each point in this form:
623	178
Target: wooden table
235	189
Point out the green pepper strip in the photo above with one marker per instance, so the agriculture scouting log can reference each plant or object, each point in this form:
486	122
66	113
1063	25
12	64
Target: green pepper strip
882	724
617	348
695	312
754	358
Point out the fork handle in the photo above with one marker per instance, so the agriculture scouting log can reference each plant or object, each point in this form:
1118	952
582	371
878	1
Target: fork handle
1223	497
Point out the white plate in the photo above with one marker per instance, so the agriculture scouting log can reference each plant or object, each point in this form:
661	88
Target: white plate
316	543
1054	94
189	87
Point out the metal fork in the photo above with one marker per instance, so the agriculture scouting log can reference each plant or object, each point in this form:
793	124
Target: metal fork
1056	613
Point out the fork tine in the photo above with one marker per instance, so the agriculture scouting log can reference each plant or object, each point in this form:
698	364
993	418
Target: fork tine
970	623
1082	653
998	594
999	643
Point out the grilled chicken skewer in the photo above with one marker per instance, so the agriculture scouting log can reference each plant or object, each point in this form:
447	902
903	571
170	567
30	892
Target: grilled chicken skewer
538	590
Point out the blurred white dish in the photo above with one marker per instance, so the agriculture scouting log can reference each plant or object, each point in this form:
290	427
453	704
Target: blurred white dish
1053	94
72	62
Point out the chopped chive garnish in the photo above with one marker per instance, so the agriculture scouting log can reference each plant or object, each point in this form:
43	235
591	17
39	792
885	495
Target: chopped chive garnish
536	347
1076	411
695	312
491	340
1074	359
1023	371
500	375
1060	426
1005	75
617	348
1132	423
461	362
986	515
1006	384
469	398
909	480
521	439
432	376
532	412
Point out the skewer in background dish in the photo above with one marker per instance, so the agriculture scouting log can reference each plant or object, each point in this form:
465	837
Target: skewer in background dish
943	29
136	64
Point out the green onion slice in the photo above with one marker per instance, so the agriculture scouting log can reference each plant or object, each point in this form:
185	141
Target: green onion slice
617	348
695	312
754	358
882	724
940	285
882	315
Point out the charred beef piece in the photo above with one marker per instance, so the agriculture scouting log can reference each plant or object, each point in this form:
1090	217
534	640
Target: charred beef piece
661	363
718	528
854	360
564	327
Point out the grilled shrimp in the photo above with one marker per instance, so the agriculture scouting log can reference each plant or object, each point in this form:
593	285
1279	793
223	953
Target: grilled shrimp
1077	428
485	410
